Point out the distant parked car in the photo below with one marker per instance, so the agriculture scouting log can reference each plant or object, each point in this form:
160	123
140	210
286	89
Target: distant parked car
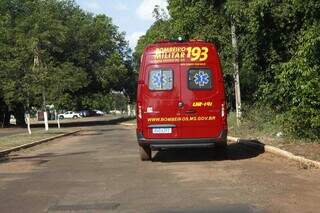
12	120
85	113
69	114
99	112
91	113
116	112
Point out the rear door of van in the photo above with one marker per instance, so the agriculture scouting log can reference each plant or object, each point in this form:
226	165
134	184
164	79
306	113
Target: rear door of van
160	98
202	96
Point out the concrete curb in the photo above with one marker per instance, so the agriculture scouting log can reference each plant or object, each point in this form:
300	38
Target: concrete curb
307	163
28	145
127	124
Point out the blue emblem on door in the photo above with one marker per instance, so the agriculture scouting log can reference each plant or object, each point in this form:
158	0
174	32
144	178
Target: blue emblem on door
158	79
201	78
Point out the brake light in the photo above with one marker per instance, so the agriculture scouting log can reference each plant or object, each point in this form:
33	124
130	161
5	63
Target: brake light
222	110
139	111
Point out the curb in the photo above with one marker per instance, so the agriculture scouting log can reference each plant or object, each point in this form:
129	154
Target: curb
120	120
5	152
127	124
307	163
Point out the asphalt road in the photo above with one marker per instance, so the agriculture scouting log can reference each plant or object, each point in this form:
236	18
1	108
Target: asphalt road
100	171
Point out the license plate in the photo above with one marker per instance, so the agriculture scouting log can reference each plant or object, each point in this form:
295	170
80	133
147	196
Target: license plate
162	130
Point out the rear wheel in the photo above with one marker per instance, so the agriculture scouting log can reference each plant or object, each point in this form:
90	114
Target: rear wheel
221	145
145	153
75	116
221	150
61	117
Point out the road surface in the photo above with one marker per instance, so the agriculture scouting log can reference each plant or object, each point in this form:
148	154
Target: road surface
99	171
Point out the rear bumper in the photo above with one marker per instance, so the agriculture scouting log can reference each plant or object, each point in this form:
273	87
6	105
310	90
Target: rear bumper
182	143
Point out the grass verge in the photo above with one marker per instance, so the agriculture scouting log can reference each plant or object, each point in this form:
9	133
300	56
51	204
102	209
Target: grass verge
15	140
261	125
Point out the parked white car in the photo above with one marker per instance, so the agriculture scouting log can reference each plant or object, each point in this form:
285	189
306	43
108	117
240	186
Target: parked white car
69	114
116	112
99	112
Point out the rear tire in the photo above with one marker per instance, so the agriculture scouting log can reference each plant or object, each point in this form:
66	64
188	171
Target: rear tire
221	145
75	117
221	150
61	117
145	153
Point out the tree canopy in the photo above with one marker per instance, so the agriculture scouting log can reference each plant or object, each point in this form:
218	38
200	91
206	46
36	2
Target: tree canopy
52	52
279	52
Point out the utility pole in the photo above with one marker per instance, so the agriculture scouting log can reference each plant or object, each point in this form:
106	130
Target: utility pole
236	70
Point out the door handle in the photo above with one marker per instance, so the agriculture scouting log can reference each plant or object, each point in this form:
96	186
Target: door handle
191	111
180	104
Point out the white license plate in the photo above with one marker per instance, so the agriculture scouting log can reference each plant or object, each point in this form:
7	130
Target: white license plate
162	130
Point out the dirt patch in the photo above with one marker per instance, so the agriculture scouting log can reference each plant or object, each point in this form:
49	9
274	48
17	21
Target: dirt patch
15	170
310	151
201	172
28	160
17	167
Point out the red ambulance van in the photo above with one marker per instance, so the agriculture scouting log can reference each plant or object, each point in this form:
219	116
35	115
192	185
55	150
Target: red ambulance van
180	97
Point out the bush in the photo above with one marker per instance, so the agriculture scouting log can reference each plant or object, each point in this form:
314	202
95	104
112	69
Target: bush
295	94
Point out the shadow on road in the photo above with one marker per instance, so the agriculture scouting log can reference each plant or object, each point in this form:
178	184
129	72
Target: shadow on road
220	208
46	155
234	151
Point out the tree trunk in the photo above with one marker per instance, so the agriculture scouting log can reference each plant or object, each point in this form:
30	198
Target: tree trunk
46	124
2	122
28	123
6	119
4	115
19	112
45	113
129	110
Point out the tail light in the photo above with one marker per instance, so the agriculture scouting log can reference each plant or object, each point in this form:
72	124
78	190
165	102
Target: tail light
224	115
222	110
139	111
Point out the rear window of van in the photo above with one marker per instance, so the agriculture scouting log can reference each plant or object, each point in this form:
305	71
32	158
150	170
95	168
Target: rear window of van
161	79
199	79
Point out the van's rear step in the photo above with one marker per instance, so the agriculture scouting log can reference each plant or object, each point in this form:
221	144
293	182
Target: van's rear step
182	142
191	145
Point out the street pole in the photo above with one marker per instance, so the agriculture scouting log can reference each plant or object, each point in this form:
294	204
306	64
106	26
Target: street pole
236	71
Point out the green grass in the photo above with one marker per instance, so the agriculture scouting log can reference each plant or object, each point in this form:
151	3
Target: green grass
20	139
261	123
254	123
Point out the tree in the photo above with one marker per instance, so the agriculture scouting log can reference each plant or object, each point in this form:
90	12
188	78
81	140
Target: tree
276	41
52	52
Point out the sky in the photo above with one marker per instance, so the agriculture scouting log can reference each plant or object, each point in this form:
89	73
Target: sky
133	17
